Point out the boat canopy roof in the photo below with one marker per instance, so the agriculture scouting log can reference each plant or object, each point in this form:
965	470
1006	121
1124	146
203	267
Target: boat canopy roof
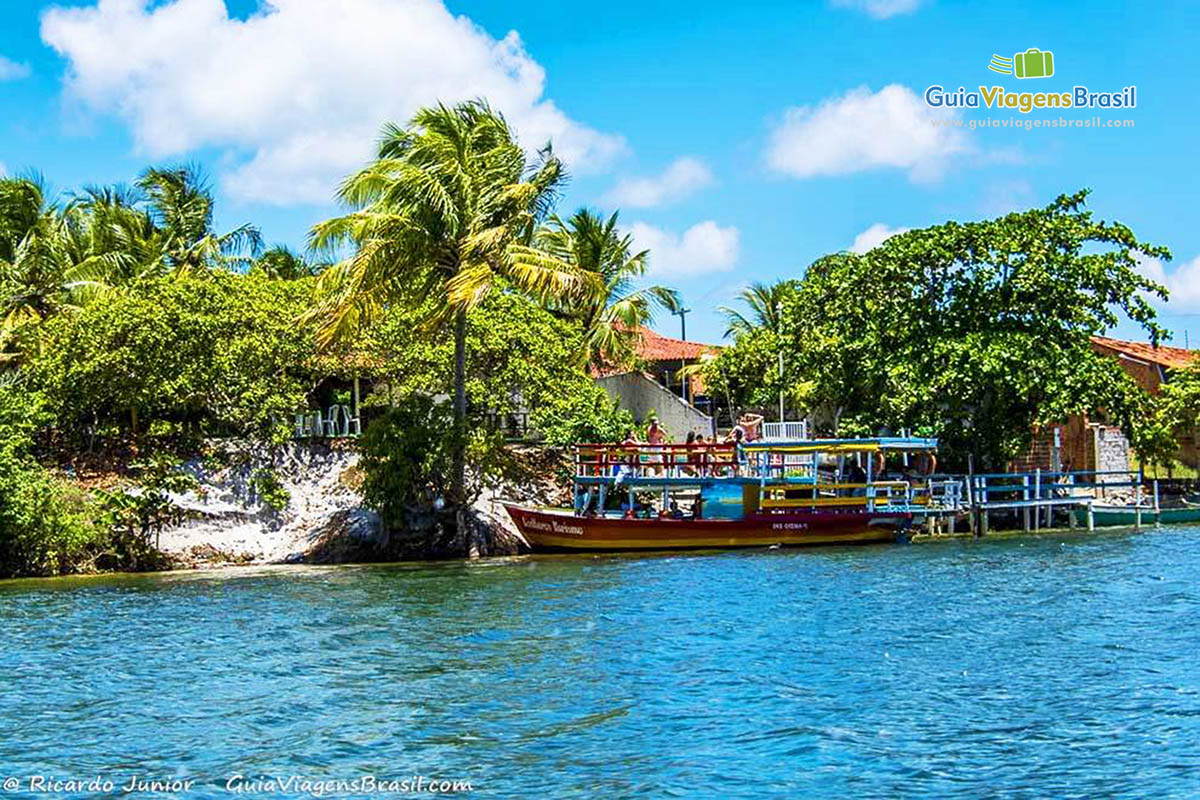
899	444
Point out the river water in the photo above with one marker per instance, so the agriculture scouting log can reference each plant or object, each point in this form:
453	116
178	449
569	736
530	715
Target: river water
1062	665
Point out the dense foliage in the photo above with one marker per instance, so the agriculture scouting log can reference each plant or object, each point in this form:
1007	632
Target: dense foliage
975	331
1170	421
407	459
519	357
135	330
178	357
44	527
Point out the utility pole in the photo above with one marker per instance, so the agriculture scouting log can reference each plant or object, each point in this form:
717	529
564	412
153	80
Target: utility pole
682	313
781	417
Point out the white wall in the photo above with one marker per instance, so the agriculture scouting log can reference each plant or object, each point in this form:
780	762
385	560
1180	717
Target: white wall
640	396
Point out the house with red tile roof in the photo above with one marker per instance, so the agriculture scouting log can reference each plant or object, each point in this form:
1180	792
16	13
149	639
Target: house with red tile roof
1084	444
656	388
1145	363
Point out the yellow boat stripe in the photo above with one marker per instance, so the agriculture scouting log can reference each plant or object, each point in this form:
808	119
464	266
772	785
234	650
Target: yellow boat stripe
576	543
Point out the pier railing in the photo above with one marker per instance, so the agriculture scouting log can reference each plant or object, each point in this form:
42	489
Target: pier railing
1036	495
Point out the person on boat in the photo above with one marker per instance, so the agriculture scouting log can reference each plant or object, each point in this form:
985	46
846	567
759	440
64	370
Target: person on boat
736	437
655	436
857	475
746	429
750	425
627	466
689	458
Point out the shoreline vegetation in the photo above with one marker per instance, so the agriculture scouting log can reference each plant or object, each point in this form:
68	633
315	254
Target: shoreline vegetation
151	367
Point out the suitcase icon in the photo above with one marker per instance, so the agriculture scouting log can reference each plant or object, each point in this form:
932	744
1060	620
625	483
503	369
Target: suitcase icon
1033	63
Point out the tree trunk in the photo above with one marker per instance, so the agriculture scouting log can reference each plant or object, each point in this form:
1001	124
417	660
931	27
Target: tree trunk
465	533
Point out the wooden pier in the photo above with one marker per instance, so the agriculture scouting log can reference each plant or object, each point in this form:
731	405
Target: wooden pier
1037	495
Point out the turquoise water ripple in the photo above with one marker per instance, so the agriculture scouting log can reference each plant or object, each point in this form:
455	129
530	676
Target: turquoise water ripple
1059	665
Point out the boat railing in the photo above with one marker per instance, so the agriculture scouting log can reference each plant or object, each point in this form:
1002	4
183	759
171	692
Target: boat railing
890	494
657	460
941	493
785	431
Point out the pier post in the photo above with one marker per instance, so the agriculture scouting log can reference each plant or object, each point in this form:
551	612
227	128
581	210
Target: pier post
1091	517
1137	500
984	520
1025	497
1037	495
1157	507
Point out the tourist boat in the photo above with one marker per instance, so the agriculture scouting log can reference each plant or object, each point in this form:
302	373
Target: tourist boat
757	494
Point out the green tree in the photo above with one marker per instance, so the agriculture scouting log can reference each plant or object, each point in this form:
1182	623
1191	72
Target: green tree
441	219
979	330
218	354
520	357
1170	418
407	460
745	374
36	267
610	318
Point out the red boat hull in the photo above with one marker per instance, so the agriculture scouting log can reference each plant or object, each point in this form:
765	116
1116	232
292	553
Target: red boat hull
550	531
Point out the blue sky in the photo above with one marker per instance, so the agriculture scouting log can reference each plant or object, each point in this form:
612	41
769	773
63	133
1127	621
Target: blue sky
741	141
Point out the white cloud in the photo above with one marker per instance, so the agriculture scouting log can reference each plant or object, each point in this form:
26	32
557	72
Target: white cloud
11	70
881	9
874	236
704	248
683	177
860	131
294	96
1182	281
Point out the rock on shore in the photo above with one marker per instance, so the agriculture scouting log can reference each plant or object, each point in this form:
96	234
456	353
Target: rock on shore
229	521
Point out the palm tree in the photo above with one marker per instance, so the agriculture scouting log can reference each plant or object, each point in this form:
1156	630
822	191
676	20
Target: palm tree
113	238
284	264
180	204
36	264
35	282
22	203
766	308
441	217
611	317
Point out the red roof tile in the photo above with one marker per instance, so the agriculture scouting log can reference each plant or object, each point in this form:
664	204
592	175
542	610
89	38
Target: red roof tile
656	347
1170	357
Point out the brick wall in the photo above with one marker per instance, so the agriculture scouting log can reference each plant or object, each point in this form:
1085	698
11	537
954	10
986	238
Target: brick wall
1083	446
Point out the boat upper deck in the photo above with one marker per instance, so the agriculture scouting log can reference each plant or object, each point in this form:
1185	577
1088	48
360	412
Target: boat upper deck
761	460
